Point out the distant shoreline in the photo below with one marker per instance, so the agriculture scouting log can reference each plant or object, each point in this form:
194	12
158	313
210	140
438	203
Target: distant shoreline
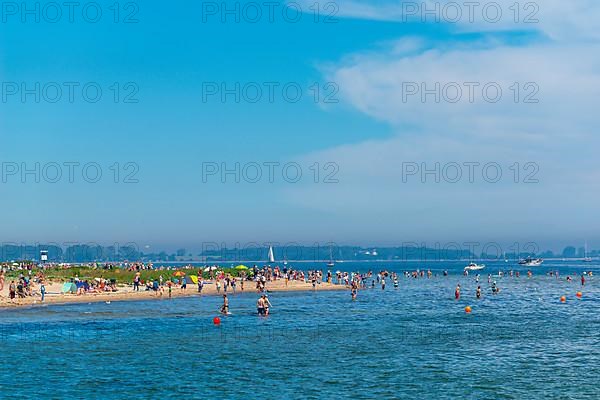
126	293
222	263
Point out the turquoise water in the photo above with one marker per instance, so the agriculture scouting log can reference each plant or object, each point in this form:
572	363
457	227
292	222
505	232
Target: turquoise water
414	342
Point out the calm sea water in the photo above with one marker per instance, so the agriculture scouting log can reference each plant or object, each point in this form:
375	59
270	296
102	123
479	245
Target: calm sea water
413	342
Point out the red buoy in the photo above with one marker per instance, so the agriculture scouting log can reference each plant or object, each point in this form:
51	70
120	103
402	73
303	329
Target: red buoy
217	321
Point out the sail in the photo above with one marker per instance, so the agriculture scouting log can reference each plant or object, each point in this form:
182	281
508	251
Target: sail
271	257
330	263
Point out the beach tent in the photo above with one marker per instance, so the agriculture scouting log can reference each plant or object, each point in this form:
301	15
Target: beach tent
241	267
189	280
69	287
82	284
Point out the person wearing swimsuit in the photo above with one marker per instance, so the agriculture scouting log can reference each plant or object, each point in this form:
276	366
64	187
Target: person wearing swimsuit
260	306
266	304
225	307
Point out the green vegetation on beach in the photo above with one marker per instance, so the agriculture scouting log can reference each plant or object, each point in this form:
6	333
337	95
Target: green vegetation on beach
120	275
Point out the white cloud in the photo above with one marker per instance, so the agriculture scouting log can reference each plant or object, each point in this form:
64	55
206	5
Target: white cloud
558	19
546	90
558	133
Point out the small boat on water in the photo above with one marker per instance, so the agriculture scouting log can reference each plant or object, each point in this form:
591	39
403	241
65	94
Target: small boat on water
531	262
474	267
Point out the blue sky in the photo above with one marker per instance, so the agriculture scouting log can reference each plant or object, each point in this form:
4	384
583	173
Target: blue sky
368	134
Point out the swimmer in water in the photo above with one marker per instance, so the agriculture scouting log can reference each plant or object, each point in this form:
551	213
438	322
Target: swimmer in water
457	292
478	293
495	289
354	290
225	306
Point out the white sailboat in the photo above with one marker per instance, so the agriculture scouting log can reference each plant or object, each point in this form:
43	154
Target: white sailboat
330	263
271	256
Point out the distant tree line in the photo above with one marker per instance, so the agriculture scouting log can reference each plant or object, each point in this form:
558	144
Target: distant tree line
131	252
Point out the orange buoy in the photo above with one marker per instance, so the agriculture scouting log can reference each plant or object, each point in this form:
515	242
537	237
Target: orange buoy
468	309
563	299
217	321
579	294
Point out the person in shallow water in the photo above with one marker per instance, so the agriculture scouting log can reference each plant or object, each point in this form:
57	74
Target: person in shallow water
225	306
266	304
260	306
495	288
457	292
478	293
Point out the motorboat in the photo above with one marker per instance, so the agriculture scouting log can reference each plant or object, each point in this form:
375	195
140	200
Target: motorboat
474	267
531	262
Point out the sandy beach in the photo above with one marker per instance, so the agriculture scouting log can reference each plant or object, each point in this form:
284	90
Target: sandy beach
126	293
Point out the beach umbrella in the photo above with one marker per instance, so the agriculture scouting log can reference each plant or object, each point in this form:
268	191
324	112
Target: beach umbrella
241	267
207	269
69	288
179	273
